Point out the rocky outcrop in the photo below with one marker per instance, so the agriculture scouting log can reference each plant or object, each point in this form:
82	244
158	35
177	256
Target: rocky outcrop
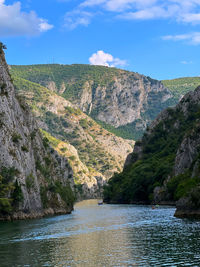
34	179
189	207
129	98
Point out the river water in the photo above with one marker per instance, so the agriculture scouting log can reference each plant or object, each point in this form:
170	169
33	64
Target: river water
107	235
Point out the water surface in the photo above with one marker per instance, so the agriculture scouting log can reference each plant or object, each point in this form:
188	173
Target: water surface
107	235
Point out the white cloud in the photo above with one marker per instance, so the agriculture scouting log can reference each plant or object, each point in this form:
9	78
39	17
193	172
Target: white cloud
118	5
191	18
92	3
149	13
105	59
14	22
181	11
187	11
44	25
185	62
191	38
76	18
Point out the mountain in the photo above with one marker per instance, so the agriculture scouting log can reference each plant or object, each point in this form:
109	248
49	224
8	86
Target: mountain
94	153
123	102
34	179
179	87
164	166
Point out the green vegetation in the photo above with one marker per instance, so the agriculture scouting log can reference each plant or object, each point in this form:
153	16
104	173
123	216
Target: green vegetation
73	76
24	148
70	110
138	180
10	191
84	123
43	195
181	86
65	193
16	137
54	141
44	170
127	131
179	186
55	188
27	90
30	182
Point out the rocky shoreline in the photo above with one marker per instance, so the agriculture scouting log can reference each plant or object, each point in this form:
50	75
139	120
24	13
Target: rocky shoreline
36	214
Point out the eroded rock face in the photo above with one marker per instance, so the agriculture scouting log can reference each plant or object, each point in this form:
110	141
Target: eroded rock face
35	173
130	97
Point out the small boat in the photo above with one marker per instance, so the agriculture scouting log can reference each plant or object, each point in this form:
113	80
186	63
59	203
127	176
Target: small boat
100	203
155	207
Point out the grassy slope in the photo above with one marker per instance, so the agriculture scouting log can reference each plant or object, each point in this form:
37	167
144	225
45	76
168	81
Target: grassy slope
181	86
74	76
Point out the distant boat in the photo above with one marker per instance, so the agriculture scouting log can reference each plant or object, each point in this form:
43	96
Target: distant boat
100	203
155	207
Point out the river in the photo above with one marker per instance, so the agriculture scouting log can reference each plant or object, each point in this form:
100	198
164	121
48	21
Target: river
107	235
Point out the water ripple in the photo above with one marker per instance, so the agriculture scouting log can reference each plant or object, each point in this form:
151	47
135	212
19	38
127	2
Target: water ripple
109	235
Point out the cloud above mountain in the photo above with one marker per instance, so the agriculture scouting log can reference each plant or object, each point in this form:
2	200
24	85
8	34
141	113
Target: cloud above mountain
105	59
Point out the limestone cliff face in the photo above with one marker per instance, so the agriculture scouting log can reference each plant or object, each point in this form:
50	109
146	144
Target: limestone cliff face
34	179
129	98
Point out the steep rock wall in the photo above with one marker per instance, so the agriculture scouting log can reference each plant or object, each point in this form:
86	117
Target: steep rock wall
34	179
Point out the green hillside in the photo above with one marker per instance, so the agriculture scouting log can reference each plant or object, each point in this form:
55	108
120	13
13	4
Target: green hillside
73	76
152	166
179	87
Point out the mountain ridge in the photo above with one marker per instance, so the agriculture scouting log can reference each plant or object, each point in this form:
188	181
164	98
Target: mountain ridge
113	96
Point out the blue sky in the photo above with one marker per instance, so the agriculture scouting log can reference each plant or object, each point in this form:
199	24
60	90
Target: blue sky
157	38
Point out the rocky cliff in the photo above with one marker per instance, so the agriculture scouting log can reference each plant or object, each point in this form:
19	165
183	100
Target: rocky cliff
124	102
165	165
34	179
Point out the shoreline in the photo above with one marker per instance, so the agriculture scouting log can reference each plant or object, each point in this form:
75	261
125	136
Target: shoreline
18	216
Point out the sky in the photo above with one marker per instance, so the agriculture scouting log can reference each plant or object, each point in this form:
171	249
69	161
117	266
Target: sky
158	38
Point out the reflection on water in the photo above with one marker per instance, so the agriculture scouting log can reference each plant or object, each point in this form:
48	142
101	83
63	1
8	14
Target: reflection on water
107	235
